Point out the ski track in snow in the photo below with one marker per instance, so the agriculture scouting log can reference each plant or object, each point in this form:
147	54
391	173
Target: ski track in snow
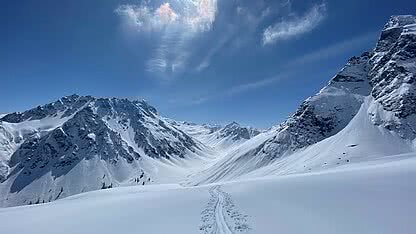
220	216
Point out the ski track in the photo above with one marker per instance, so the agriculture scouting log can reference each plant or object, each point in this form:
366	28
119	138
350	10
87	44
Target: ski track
220	216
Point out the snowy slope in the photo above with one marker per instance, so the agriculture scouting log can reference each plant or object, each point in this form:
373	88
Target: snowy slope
319	117
220	139
384	77
79	144
359	141
337	201
12	135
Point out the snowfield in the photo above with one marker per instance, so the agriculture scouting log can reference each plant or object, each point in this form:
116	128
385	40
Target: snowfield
372	197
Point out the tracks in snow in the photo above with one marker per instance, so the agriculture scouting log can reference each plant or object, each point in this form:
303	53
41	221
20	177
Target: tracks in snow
220	216
220	219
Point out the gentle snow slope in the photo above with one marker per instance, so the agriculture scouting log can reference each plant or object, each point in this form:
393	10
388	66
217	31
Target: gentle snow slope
364	198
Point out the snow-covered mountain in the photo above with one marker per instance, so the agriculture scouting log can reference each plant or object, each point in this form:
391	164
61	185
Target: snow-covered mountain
364	115
372	97
219	138
82	143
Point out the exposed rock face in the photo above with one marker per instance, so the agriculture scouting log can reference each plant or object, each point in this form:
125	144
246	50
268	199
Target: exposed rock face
387	73
237	132
57	143
385	76
68	105
323	114
215	136
392	75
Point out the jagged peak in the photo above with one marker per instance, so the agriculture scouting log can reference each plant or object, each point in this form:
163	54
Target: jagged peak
357	59
72	103
74	97
70	97
397	21
232	125
394	29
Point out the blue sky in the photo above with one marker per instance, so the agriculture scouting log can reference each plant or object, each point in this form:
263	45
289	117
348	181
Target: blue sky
206	61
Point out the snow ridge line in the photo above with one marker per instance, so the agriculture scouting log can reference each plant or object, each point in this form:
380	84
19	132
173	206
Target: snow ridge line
220	215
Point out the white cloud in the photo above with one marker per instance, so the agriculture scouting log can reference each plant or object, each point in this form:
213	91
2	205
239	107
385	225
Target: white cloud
165	14
143	18
177	23
199	14
191	15
292	27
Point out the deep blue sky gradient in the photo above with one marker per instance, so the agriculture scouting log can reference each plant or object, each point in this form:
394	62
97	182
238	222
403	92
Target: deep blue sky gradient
49	49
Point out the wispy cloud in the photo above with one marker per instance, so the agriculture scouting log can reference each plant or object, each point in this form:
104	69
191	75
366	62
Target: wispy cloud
243	20
288	28
255	85
176	22
217	47
287	71
334	49
178	29
232	91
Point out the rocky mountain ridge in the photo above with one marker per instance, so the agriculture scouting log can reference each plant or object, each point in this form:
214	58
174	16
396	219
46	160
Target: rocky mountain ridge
48	142
384	77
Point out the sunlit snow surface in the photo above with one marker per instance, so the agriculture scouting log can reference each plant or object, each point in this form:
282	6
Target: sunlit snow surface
376	197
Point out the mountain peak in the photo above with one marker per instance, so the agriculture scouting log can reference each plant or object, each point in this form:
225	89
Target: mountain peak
119	136
72	96
398	21
69	105
232	125
398	28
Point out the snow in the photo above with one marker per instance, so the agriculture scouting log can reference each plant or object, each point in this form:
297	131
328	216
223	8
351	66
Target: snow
369	141
398	21
337	201
368	104
91	136
231	164
127	134
12	135
94	148
20	131
220	139
361	141
344	162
